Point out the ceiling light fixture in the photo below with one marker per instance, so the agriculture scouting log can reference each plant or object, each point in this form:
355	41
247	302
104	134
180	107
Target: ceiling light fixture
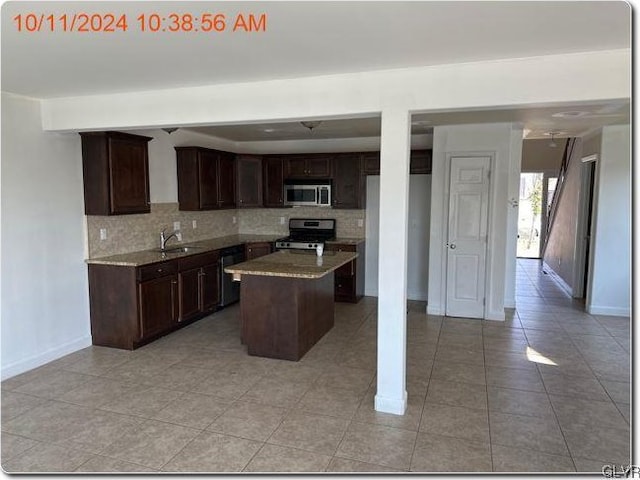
570	114
311	124
170	130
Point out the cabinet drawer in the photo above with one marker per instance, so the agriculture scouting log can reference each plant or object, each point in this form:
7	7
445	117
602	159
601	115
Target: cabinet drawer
342	247
157	270
197	261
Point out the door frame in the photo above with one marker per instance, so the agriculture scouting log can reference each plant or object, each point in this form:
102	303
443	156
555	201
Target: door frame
579	259
488	285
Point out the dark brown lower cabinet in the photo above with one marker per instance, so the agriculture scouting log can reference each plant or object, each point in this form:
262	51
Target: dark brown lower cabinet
258	249
198	281
131	306
349	279
158	306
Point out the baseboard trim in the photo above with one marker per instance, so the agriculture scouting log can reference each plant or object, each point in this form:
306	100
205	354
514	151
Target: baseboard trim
396	406
565	286
497	315
35	361
613	311
419	296
434	310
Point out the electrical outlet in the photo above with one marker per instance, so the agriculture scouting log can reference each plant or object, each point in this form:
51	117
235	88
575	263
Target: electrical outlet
360	222
281	220
179	236
103	234
176	225
235	220
194	224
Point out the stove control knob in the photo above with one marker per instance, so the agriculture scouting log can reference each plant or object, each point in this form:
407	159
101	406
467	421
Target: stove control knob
310	246
288	244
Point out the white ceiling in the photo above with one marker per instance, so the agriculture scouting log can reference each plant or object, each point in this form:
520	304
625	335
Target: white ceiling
302	39
537	122
315	38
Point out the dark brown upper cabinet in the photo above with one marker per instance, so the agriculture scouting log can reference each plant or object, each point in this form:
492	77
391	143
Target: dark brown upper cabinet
273	181
307	166
115	169
206	178
249	181
420	162
348	181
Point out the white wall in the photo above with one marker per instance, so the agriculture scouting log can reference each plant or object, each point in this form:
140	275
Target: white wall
500	142
611	268
45	303
418	241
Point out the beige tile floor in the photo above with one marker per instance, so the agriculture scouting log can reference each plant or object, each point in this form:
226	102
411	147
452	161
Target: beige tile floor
548	390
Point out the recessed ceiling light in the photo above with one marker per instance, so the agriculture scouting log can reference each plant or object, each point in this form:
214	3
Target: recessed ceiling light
571	114
555	133
269	130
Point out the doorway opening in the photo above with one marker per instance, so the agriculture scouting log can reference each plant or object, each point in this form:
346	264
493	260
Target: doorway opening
530	214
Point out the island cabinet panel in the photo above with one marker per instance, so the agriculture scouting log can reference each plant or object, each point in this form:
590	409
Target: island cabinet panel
273	181
349	279
286	316
206	178
420	162
307	166
248	181
115	169
258	249
348	181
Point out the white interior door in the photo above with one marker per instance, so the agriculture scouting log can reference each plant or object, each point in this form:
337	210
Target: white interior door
467	236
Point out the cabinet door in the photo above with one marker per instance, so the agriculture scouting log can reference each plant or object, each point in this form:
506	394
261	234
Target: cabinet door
319	166
249	181
295	167
209	287
347	181
208	179
273	181
189	296
420	161
129	179
255	250
226	180
157	305
371	163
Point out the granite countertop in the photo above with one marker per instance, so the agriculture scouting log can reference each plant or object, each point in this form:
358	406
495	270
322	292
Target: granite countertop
145	257
347	240
292	264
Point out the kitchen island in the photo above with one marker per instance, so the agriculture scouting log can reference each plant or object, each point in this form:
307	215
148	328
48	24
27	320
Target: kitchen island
287	301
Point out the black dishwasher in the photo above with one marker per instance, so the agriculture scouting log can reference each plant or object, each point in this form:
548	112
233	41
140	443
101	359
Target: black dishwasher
230	290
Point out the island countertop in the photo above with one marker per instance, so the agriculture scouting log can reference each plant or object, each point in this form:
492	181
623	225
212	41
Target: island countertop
292	264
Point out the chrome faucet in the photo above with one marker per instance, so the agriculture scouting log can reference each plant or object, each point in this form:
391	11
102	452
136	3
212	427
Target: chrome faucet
164	239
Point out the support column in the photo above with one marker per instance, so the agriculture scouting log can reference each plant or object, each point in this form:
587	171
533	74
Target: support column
391	396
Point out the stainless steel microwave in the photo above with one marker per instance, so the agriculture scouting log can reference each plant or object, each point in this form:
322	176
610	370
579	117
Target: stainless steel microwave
312	194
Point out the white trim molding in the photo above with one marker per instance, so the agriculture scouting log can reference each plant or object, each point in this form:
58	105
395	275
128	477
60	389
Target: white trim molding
35	361
613	311
395	406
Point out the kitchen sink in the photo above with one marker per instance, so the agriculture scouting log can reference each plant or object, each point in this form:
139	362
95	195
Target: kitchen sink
182	249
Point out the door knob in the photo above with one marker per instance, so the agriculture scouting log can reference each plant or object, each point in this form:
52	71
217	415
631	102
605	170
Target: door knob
452	246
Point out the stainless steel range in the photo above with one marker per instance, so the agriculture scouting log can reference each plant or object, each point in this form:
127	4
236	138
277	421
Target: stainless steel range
307	233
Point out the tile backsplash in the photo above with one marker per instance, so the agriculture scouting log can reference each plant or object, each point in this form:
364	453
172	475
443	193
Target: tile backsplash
267	220
129	233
